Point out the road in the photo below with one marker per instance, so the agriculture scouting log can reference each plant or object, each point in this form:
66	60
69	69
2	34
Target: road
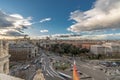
48	71
43	62
91	71
86	68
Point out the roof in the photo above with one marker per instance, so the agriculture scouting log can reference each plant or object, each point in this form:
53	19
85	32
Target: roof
8	77
21	45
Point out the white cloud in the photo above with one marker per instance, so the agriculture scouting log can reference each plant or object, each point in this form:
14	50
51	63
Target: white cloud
10	32
62	35
105	14
70	36
45	20
101	36
40	37
44	31
13	24
90	37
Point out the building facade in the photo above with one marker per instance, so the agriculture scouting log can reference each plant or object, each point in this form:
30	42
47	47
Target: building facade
22	51
4	57
97	49
106	48
114	47
4	62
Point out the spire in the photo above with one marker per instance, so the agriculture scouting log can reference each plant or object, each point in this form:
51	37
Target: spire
75	73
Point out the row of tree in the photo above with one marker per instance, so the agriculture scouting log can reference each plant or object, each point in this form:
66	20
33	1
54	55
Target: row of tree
67	49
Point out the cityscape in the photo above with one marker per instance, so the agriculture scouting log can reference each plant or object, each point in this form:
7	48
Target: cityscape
60	40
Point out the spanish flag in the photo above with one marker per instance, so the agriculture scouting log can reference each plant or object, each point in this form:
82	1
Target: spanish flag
75	73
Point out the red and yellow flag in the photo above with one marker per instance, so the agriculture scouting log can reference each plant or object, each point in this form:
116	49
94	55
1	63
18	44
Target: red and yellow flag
75	73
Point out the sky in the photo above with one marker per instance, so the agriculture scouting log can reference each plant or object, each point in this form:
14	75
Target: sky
92	19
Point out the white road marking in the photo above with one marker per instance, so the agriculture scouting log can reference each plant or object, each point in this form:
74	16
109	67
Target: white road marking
49	73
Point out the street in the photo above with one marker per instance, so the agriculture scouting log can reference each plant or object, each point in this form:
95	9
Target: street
43	62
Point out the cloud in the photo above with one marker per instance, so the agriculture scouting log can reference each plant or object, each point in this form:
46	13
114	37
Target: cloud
65	35
105	14
13	24
40	37
4	22
45	20
115	36
71	36
10	32
102	36
44	31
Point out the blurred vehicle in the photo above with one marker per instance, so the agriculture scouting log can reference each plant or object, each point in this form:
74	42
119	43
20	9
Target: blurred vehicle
24	67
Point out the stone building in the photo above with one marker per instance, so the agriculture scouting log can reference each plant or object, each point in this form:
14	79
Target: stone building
4	62
22	51
4	57
98	49
106	48
113	47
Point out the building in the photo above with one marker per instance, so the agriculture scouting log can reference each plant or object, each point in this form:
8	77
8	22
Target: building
98	49
4	62
113	47
22	51
106	48
87	45
4	57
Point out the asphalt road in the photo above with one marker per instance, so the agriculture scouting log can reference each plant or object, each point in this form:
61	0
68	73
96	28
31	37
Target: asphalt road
48	71
86	69
44	63
89	70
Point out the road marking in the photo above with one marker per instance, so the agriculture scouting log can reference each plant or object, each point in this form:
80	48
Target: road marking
55	73
52	73
49	73
53	70
44	67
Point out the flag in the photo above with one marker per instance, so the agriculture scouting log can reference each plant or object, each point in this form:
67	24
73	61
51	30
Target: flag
75	73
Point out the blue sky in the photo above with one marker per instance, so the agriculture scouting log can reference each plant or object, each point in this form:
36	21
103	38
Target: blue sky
57	10
65	16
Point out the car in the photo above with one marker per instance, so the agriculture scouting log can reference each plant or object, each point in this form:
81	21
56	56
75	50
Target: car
118	63
26	67
35	61
80	72
114	64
